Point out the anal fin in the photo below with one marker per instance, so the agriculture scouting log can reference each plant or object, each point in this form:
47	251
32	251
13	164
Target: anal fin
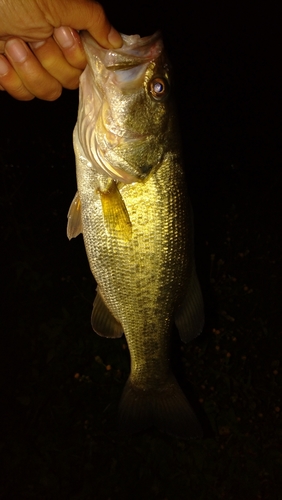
102	320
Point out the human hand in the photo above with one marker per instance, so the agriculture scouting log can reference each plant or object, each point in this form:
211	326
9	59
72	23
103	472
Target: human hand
53	57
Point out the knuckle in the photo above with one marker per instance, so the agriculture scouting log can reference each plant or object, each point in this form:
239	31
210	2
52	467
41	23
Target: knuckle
19	92
99	14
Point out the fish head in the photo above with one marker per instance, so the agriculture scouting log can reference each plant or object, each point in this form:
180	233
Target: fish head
125	118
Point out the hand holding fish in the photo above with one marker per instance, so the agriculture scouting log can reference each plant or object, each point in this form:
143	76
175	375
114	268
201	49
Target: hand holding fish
42	54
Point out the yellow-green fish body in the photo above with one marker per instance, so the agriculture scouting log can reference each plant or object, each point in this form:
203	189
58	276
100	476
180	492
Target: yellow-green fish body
134	212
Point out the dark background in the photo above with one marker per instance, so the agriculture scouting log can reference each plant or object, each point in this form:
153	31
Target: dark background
60	383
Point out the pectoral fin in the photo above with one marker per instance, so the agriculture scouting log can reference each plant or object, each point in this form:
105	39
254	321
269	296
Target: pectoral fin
189	317
115	213
74	226
102	320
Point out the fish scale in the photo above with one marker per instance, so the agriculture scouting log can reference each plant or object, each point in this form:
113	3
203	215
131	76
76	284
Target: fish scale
137	226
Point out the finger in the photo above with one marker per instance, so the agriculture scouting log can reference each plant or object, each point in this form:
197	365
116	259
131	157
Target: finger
98	26
33	76
70	43
10	81
83	15
55	63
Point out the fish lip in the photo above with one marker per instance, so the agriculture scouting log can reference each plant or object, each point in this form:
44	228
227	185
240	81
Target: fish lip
130	42
136	40
135	50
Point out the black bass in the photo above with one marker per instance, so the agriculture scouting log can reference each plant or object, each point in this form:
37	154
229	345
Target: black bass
134	212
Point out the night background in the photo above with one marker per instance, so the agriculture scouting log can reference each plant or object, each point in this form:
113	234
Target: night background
60	382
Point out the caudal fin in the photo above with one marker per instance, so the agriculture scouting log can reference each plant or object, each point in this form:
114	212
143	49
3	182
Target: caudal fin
166	408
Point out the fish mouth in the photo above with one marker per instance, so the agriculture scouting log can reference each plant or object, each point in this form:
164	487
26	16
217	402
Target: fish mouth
134	51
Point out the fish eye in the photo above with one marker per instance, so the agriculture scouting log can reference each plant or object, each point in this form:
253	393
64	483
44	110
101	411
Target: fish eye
158	88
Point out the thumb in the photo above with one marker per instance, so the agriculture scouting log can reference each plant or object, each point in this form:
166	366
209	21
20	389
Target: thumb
83	15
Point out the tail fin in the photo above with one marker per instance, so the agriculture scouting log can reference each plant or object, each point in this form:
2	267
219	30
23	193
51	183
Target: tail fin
166	408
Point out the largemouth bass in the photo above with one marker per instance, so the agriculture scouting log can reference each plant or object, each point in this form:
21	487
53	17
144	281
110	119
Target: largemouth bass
134	212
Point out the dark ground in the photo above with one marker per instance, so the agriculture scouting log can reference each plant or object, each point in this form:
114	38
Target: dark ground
61	383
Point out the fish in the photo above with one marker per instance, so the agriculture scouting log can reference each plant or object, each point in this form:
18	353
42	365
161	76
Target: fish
133	209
